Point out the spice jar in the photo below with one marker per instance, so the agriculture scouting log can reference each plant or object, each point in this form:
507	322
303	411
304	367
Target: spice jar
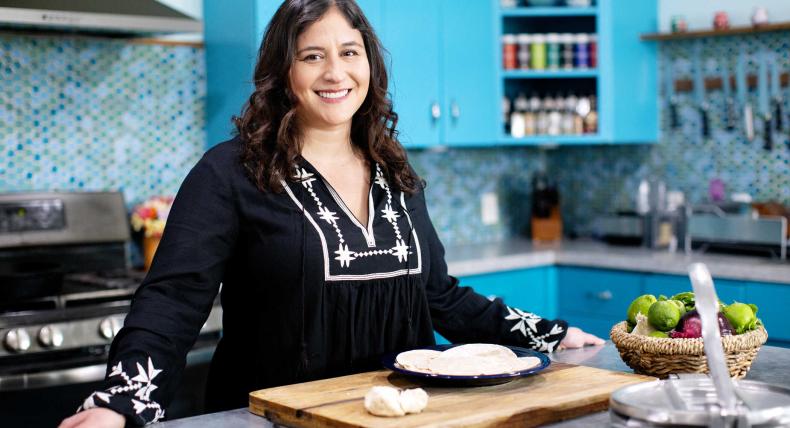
537	52
524	41
509	52
553	51
581	51
566	50
593	50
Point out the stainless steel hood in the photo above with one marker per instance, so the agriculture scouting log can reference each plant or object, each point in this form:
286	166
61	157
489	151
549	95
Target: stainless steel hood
110	17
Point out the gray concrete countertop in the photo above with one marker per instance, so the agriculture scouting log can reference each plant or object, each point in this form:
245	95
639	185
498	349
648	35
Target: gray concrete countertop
772	365
522	254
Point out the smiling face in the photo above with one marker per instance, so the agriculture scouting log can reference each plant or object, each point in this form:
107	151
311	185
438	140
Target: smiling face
330	74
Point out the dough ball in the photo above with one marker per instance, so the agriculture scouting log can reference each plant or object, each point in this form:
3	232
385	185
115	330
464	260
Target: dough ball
383	401
413	400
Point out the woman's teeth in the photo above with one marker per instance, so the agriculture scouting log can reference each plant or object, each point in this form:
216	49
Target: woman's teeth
338	94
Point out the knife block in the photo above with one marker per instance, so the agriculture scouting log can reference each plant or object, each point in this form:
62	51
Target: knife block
547	228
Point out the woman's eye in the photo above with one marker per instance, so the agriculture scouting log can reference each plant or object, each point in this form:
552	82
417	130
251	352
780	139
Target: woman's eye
311	58
350	53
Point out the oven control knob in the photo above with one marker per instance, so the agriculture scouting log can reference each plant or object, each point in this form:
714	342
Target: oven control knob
50	336
109	327
17	340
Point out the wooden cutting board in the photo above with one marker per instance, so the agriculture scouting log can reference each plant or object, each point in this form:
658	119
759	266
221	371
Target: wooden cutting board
560	392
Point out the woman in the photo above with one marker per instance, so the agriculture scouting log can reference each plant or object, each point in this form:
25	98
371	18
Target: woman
317	228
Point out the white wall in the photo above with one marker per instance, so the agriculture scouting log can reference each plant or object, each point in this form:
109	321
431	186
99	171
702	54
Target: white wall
699	13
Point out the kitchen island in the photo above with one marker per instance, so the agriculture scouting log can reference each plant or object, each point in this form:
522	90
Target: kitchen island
772	365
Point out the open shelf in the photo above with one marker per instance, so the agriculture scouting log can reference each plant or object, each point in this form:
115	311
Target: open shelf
550	74
734	31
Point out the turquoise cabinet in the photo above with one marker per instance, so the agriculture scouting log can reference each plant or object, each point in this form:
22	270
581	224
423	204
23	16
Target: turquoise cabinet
442	71
233	30
531	290
658	284
596	299
772	301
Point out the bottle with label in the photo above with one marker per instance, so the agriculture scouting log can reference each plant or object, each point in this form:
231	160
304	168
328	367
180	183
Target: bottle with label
566	50
509	52
531	117
517	117
537	50
581	51
555	117
593	50
591	121
523	41
506	113
568	114
542	118
553	51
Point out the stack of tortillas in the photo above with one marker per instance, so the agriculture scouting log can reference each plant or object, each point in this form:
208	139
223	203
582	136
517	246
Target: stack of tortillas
466	360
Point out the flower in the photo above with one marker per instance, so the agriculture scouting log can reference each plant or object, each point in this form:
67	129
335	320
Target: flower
151	215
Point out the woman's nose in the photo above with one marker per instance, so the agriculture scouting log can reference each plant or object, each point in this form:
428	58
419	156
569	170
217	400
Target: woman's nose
334	69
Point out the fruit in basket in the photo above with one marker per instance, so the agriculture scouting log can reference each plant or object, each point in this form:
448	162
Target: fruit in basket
690	326
640	305
743	317
643	327
659	334
687	297
664	315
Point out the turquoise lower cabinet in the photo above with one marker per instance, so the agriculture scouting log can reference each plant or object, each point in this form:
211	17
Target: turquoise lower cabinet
595	299
531	290
772	301
668	285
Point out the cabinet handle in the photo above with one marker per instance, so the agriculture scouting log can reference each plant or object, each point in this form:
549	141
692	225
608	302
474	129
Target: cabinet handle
604	295
455	111
436	111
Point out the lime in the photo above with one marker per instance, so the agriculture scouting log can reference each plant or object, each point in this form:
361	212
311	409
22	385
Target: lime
659	334
680	306
640	304
741	316
663	315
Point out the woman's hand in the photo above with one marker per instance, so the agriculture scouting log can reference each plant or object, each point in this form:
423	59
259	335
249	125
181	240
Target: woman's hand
94	418
576	338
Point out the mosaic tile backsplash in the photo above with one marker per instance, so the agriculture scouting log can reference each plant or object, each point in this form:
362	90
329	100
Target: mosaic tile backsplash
94	114
605	179
91	114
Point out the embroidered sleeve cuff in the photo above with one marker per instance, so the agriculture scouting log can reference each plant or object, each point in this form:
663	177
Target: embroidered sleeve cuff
129	396
539	333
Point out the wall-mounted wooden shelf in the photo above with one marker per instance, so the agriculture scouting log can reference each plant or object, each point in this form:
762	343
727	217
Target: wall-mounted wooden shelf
734	31
714	83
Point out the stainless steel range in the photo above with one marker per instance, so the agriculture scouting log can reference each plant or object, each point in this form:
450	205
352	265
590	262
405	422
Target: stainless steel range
65	289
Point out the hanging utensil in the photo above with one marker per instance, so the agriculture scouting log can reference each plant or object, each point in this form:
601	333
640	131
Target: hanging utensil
699	91
669	93
741	84
730	115
776	95
763	102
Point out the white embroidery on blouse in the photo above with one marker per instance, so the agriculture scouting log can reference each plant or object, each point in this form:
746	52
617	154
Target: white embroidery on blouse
142	385
528	326
345	255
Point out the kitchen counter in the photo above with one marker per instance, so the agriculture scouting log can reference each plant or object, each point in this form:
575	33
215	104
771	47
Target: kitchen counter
772	365
522	254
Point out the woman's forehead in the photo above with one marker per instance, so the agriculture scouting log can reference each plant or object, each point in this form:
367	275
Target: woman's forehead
333	27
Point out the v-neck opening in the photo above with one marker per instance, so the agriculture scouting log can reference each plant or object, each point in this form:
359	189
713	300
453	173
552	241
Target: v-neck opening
367	232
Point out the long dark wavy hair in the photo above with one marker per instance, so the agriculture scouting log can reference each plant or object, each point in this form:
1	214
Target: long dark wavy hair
268	126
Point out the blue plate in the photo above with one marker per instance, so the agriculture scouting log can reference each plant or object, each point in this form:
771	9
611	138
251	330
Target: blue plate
481	380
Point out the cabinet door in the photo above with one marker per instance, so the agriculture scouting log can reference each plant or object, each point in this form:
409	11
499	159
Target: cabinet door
772	301
411	34
527	289
628	92
597	292
727	290
468	71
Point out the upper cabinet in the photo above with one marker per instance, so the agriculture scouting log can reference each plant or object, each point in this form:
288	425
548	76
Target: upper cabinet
577	75
442	74
449	76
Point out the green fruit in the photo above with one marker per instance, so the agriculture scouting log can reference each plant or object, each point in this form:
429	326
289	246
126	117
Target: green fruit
640	304
741	316
659	334
687	297
662	297
680	306
664	315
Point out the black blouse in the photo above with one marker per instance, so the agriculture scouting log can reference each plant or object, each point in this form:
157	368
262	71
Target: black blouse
308	291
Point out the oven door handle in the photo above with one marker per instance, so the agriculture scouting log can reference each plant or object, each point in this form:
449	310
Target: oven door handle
79	375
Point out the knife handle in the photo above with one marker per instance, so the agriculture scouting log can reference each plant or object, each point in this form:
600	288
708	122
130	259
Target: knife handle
703	112
730	115
778	115
768	141
748	122
674	119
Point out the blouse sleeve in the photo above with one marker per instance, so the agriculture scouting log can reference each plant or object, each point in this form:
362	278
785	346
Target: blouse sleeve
462	315
148	355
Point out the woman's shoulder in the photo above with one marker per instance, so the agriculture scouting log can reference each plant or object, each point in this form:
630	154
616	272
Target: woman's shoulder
225	154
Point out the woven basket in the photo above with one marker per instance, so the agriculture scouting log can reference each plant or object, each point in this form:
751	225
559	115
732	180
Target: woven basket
660	357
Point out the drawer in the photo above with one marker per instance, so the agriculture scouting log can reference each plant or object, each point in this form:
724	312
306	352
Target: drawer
772	301
599	292
668	285
527	289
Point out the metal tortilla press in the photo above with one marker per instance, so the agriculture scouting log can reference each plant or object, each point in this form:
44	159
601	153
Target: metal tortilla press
698	400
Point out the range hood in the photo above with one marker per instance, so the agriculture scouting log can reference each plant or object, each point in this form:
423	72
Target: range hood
106	17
